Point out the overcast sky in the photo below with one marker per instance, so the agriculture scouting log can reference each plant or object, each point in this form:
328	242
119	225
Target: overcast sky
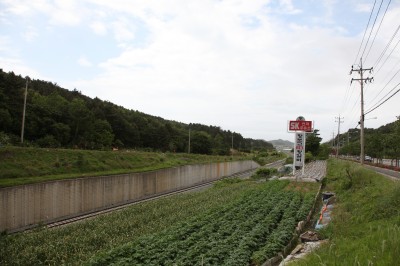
247	66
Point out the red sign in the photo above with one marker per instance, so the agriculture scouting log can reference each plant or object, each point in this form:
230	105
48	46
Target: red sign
295	125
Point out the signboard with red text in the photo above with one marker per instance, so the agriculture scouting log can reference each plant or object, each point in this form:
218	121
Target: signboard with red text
300	127
304	126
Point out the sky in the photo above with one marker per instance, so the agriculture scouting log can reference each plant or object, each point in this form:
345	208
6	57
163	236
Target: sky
246	66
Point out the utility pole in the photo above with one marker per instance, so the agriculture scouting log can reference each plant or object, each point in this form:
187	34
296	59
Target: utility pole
189	141
338	120
232	143
362	80
24	111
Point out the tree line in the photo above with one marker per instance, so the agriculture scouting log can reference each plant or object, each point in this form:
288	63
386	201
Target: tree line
380	143
56	117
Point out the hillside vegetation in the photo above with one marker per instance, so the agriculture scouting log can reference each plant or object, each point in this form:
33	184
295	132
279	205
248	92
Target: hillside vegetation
383	142
56	117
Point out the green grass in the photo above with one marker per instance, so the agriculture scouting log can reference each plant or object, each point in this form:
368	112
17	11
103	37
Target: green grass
365	229
32	165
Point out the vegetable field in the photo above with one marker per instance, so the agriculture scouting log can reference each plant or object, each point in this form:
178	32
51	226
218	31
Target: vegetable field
233	223
246	231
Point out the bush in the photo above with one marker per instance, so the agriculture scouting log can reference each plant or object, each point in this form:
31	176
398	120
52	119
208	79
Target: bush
48	141
309	157
264	173
289	160
4	138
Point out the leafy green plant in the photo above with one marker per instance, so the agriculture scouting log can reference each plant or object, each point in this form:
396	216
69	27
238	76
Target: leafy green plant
226	236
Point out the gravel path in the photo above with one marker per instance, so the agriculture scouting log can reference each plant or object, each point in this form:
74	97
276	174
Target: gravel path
313	172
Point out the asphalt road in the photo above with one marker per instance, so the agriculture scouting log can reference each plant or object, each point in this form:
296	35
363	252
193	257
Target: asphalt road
387	172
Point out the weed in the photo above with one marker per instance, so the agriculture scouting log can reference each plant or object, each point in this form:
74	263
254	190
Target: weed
365	224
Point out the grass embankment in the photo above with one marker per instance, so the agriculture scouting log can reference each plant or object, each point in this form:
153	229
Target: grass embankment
365	229
32	165
161	220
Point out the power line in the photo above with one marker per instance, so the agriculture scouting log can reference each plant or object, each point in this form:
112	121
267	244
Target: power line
380	24
387	46
384	87
386	98
384	62
353	117
359	49
372	29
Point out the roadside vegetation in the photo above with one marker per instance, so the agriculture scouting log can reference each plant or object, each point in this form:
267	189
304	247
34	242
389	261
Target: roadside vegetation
365	228
380	143
264	157
264	173
232	223
23	165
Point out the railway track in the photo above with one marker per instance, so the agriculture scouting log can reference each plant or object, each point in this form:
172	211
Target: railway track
64	222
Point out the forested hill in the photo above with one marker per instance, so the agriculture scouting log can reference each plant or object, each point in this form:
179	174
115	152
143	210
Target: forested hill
56	117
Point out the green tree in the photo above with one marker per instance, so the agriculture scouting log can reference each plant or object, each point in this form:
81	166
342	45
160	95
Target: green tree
79	116
5	119
324	151
374	145
61	133
312	142
219	146
392	143
201	142
99	135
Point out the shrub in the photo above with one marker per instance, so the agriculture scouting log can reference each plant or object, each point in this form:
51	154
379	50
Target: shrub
264	173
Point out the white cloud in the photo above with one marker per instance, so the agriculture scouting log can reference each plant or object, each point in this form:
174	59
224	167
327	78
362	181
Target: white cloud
99	28
19	68
30	34
363	7
288	7
226	63
83	61
215	71
123	31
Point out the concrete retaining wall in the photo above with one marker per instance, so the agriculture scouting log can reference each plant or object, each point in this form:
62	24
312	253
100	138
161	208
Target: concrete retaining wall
22	207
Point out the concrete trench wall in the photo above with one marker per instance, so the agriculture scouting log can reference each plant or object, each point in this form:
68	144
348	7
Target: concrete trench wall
22	207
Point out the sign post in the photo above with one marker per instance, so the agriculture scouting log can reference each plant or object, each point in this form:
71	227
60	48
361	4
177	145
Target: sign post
299	126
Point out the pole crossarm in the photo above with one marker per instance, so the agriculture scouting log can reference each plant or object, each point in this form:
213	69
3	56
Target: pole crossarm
365	80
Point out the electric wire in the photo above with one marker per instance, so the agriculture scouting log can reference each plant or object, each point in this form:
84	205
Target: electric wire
376	96
372	29
382	99
385	99
379	27
347	97
394	48
362	41
387	46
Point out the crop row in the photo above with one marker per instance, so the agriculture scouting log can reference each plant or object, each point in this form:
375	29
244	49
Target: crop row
248	230
76	243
